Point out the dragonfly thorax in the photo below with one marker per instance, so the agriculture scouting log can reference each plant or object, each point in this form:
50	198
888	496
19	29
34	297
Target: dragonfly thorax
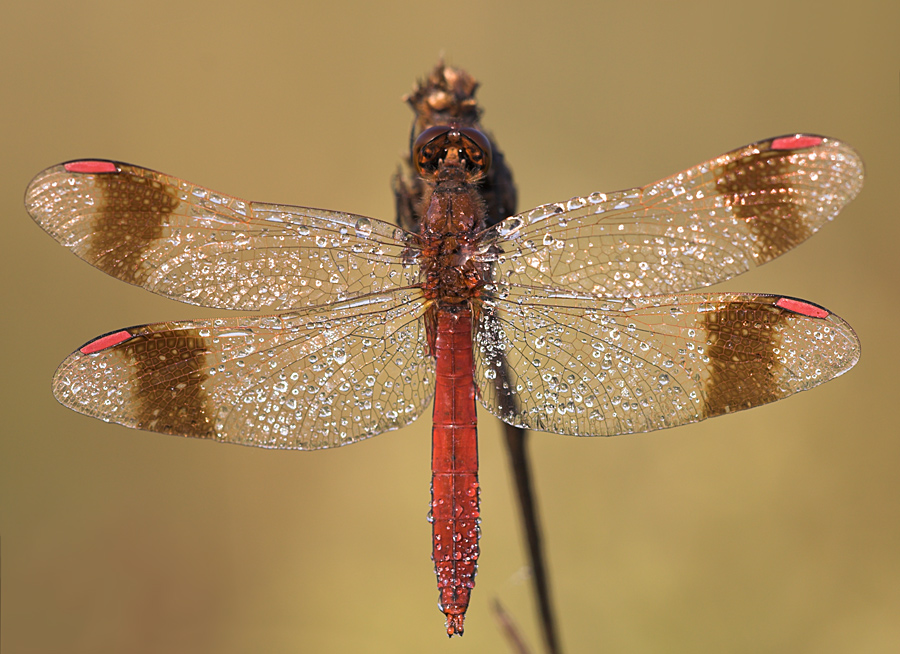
454	214
450	273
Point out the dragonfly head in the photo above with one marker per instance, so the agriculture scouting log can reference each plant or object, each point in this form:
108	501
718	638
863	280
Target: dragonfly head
452	145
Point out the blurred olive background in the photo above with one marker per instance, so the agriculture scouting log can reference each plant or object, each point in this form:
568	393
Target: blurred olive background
774	530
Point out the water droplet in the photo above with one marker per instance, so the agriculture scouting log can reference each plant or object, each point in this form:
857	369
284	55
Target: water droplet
510	226
575	203
363	226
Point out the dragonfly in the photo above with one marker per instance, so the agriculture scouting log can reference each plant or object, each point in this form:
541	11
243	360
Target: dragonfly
580	317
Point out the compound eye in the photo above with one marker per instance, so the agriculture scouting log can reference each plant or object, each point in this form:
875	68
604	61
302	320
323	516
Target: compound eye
477	148
467	143
430	147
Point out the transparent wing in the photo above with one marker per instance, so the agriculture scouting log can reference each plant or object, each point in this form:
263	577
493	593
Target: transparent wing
303	380
601	367
201	247
702	226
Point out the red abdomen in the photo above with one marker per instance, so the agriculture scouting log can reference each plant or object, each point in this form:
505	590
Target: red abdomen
454	465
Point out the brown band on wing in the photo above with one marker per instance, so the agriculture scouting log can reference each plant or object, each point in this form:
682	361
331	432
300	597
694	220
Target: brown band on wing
169	368
741	345
758	189
130	214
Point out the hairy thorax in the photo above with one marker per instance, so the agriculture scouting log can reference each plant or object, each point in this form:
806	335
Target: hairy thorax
453	214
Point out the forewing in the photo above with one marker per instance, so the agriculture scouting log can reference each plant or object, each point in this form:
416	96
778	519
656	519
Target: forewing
702	226
303	380
589	367
201	247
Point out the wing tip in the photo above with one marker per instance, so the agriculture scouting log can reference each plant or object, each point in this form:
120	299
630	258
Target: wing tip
802	141
851	351
36	187
852	166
